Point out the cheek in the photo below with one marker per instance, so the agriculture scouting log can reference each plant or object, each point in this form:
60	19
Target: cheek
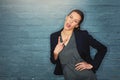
74	24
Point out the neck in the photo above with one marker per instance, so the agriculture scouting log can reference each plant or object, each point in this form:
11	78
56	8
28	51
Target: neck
67	32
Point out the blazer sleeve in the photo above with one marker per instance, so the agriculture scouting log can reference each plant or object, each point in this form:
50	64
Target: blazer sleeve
101	51
53	43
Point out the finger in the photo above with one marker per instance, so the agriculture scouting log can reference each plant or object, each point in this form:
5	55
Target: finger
58	39
82	68
78	68
78	64
65	41
81	63
62	44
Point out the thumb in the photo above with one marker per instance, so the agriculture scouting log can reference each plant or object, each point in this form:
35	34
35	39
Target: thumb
65	41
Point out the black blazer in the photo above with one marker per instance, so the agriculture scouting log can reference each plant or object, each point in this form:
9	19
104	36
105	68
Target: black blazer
83	42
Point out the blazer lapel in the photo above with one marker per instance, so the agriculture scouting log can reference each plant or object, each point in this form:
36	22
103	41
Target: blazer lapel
79	40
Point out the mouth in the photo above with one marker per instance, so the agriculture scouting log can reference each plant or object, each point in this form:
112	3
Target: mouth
68	25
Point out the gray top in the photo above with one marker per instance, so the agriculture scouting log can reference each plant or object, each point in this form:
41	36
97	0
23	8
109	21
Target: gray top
69	56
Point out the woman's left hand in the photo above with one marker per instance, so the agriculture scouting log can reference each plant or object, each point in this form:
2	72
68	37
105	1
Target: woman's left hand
82	66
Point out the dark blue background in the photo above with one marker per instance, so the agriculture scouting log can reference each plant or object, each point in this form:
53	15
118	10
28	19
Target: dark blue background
26	25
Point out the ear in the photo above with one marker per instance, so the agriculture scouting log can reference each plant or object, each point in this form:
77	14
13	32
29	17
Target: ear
76	26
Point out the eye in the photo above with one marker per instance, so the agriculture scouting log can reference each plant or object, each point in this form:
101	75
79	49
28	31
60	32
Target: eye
76	21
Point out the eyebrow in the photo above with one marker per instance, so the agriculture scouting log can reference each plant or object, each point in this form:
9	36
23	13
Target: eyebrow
75	19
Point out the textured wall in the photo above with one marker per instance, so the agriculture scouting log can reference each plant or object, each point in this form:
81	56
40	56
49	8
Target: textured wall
25	27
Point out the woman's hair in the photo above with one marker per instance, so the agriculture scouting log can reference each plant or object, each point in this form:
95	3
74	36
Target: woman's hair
81	14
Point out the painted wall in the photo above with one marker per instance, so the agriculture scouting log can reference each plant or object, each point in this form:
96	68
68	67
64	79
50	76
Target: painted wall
26	25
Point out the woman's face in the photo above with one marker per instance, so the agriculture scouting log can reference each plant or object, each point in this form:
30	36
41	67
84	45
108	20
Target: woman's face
72	21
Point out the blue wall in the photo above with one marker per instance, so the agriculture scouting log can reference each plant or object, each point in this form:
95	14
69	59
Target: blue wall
25	27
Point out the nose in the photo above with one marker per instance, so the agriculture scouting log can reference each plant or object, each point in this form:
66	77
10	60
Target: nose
71	21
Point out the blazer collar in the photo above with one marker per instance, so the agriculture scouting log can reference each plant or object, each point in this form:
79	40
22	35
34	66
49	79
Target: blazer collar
78	36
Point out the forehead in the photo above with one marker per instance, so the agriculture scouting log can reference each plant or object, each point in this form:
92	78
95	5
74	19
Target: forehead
76	15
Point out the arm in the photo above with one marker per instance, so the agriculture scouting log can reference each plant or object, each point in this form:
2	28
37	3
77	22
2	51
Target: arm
53	43
101	51
56	48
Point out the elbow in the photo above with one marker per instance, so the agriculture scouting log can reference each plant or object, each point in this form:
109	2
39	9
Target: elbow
53	60
104	49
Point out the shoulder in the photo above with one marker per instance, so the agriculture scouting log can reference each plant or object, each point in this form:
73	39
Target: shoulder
57	33
83	32
54	36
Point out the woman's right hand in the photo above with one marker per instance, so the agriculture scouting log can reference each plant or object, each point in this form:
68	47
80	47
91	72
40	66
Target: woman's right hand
59	47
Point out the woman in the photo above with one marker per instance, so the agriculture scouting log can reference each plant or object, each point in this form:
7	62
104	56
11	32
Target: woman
70	50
